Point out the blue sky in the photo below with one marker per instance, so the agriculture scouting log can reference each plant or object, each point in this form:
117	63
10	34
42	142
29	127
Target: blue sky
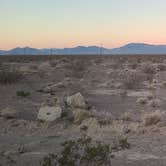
66	23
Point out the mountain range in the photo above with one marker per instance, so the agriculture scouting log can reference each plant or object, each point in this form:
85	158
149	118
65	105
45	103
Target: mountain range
131	48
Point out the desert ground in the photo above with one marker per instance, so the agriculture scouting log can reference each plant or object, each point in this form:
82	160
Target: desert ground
46	100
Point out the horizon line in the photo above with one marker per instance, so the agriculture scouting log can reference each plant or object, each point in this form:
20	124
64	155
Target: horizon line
102	46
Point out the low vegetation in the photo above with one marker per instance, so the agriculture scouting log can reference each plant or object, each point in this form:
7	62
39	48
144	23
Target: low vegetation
9	75
23	94
80	152
85	152
152	118
133	80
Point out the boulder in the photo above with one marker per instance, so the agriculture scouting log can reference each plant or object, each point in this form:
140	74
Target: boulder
8	113
76	101
49	114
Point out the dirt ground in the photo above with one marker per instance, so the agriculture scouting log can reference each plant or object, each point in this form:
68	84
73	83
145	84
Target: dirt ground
128	91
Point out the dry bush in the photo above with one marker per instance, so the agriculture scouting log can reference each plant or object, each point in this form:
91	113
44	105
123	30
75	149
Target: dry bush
149	69
152	118
142	100
53	63
133	65
33	67
161	67
155	103
133	80
126	116
164	84
103	118
80	115
9	75
77	68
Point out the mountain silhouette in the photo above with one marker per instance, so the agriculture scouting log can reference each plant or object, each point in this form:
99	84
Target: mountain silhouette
131	48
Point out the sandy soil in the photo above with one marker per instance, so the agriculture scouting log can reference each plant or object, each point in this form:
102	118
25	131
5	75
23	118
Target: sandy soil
129	88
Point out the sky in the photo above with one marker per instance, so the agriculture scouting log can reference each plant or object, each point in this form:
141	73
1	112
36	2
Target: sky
69	23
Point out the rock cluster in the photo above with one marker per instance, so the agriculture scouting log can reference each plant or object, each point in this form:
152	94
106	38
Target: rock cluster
76	105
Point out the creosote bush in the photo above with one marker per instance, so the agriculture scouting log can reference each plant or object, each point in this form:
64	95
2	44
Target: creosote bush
121	144
85	152
152	118
133	80
23	94
9	75
82	152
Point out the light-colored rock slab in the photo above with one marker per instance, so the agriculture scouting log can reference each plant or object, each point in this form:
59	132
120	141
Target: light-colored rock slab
49	114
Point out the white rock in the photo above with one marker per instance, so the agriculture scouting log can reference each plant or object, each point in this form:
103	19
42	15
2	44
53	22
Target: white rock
8	113
76	101
54	87
49	113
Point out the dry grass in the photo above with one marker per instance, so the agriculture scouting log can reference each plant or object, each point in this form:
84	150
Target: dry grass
133	80
161	67
103	118
142	100
152	118
149	69
9	75
126	116
155	103
80	115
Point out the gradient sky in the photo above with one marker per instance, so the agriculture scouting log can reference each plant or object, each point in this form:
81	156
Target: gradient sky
68	23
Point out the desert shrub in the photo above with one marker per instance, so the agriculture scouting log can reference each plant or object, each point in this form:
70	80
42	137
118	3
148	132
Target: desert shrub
164	84
155	103
9	75
142	100
126	116
152	118
77	68
133	80
161	67
53	63
149	69
121	144
133	65
80	152
23	94
103	118
80	115
33	67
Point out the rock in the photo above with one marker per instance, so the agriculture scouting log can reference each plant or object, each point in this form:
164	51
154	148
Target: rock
49	114
54	87
76	101
80	114
9	113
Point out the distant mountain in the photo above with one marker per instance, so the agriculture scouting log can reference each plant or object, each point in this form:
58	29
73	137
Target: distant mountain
132	48
2	52
65	51
22	51
140	48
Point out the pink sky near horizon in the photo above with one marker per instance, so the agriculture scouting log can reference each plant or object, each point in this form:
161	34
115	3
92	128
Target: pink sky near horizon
60	24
